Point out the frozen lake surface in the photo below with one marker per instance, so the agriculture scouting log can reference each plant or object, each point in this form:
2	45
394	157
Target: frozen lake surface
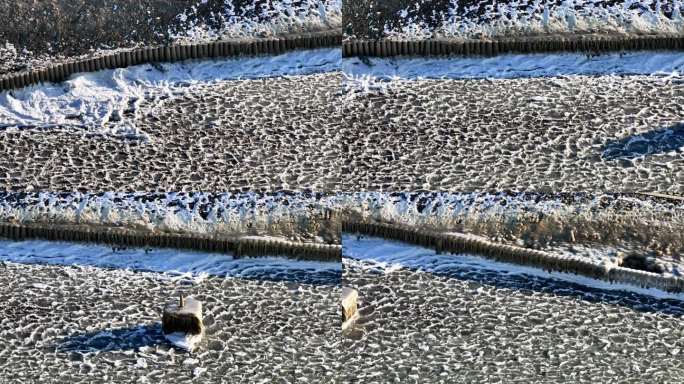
86	314
263	123
537	123
435	319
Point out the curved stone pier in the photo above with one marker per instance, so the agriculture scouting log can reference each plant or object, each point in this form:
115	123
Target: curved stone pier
493	47
172	53
237	246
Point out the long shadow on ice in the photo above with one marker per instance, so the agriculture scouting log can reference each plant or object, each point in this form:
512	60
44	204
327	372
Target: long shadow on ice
646	144
171	262
116	339
384	255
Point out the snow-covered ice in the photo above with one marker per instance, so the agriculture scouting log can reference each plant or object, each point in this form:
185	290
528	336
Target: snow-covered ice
390	256
482	18
360	72
108	101
175	264
451	318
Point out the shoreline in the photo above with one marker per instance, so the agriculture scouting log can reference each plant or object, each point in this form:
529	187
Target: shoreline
489	47
456	244
62	70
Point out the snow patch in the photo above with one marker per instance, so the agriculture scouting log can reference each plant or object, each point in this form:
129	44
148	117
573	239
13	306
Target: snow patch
184	341
110	101
519	18
171	264
258	19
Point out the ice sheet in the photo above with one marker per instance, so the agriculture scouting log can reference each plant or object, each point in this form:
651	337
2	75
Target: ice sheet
173	264
370	73
98	325
107	102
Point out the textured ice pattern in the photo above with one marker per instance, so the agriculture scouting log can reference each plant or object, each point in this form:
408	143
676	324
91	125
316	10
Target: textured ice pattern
433	319
591	132
553	122
109	101
276	133
266	320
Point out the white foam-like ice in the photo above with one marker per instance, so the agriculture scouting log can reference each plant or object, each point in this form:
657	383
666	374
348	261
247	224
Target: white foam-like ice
367	74
107	102
202	213
177	264
534	17
447	210
388	256
257	19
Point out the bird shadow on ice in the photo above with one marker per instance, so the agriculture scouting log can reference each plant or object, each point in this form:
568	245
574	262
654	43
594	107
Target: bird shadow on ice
380	256
653	142
115	339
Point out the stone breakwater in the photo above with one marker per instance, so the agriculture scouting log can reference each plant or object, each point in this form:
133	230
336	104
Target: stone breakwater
172	53
591	44
537	220
457	243
236	246
532	220
174	217
40	32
